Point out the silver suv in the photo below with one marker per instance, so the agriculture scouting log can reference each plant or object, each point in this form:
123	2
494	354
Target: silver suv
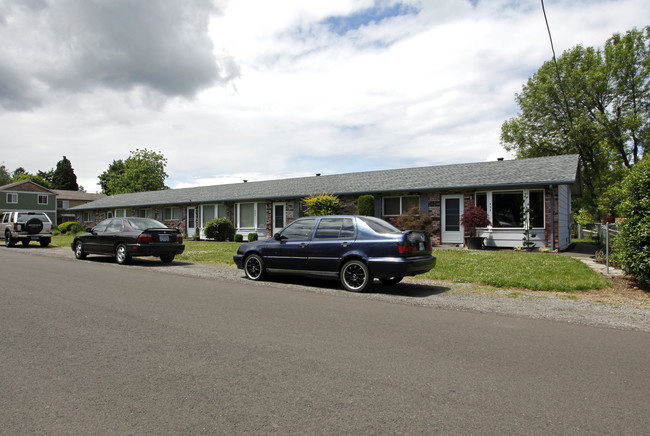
26	227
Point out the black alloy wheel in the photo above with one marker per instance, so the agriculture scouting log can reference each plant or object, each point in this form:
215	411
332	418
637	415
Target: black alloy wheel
355	276
254	267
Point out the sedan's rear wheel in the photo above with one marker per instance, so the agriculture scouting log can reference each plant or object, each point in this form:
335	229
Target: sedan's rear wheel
167	259
79	252
121	255
391	280
254	267
355	276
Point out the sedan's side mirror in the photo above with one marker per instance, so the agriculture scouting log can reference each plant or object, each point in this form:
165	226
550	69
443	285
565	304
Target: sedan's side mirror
89	230
279	237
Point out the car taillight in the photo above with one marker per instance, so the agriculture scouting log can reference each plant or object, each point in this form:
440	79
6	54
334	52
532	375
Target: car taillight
179	238
405	248
145	237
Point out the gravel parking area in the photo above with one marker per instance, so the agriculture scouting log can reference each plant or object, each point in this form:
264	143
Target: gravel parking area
620	307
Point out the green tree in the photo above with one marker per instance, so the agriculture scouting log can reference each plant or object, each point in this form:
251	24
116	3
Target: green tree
20	177
114	171
143	171
324	204
592	102
64	177
5	177
633	241
366	205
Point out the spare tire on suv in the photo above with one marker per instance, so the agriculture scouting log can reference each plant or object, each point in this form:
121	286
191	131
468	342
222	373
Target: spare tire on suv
34	226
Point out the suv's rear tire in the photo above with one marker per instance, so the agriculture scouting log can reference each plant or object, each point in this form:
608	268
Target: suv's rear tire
44	242
9	241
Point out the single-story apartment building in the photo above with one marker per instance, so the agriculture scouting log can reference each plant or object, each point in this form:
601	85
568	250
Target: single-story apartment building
545	184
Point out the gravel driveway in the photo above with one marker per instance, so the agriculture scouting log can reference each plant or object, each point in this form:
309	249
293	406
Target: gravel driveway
596	309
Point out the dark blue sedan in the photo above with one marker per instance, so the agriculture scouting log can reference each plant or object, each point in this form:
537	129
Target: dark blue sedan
356	249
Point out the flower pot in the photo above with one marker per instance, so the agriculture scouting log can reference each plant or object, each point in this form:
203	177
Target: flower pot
474	242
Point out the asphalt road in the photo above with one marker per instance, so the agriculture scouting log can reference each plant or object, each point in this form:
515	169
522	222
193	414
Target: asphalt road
90	347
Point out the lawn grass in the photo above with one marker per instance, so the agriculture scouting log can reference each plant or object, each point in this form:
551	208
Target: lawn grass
499	268
509	269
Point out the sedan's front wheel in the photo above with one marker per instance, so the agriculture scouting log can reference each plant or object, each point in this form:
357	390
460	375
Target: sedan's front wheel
121	255
254	267
355	276
168	258
79	252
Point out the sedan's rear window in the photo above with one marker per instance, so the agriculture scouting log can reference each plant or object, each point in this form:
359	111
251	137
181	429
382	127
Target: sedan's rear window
146	223
335	228
379	226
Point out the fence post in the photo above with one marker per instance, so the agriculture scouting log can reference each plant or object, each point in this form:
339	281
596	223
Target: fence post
607	245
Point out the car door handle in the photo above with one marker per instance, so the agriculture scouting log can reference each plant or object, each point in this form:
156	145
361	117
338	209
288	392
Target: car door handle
303	244
344	244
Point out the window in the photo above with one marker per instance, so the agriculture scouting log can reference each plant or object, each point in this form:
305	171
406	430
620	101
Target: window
88	216
212	211
12	198
171	213
120	213
335	228
506	208
299	230
251	215
42	199
144	213
394	206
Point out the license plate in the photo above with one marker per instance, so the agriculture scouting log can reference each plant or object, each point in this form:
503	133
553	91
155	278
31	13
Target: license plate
421	246
163	238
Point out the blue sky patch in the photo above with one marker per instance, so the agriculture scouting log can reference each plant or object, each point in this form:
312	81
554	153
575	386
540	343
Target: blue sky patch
344	24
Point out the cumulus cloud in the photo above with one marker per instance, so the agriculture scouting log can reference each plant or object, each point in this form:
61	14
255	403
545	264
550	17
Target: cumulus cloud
52	47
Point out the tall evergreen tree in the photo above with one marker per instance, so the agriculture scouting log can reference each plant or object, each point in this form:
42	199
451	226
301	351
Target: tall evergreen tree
64	176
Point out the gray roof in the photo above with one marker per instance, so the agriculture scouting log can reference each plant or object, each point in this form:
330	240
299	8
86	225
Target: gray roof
556	170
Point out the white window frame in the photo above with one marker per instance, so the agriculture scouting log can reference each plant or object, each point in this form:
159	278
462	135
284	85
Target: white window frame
120	213
257	214
88	216
525	193
12	198
43	199
174	213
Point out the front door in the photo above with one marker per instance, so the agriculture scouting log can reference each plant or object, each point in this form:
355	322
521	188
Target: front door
191	222
452	209
279	217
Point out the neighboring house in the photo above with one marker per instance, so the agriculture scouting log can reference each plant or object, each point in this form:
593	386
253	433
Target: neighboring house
546	184
27	195
67	199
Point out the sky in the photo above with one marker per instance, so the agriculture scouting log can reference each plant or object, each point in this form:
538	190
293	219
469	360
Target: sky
229	90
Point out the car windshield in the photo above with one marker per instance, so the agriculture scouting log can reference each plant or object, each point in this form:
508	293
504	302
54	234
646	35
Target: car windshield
379	226
146	223
29	216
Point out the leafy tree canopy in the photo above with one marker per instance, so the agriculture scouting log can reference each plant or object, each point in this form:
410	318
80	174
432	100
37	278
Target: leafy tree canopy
5	177
601	111
143	171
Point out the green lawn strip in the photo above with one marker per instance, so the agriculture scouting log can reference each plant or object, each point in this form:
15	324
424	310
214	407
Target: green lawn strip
508	269
505	269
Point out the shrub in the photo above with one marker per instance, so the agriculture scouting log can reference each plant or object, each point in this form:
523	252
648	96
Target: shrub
366	205
414	219
219	229
633	241
473	217
70	227
324	204
252	237
239	238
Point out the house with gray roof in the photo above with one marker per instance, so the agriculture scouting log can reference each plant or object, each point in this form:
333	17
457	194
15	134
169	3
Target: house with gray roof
545	185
